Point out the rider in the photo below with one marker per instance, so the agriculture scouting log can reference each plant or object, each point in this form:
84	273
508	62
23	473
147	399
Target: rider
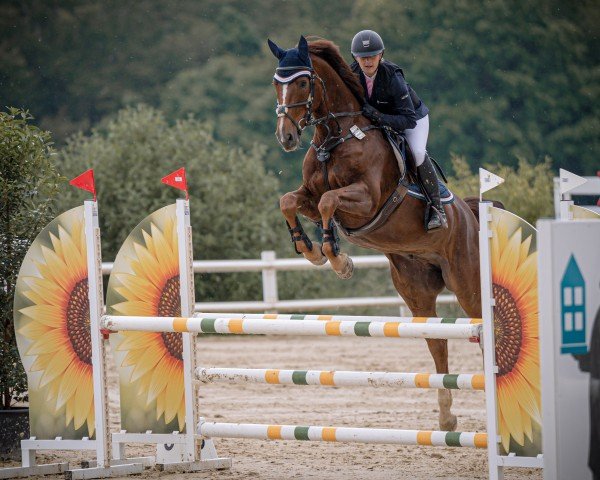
392	102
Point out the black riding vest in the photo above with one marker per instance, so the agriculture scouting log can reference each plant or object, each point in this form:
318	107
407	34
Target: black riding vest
389	89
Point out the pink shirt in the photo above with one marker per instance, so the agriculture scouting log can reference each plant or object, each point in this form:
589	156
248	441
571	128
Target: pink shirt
369	81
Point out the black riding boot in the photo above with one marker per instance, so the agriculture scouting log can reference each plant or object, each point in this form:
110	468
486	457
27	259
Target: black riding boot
437	215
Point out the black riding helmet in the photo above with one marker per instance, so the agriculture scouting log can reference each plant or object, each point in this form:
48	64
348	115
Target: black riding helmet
366	43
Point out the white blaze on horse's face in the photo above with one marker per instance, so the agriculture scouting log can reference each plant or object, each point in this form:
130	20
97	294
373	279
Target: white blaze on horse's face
280	118
289	119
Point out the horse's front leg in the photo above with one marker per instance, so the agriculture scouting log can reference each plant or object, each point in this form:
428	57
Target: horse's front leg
353	199
302	201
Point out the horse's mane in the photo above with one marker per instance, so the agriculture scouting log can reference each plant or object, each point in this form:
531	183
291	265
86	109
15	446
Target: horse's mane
330	53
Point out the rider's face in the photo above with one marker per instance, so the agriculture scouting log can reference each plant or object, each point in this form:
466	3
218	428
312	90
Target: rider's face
369	64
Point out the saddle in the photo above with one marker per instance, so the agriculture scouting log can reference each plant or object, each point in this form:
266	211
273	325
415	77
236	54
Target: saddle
403	154
405	158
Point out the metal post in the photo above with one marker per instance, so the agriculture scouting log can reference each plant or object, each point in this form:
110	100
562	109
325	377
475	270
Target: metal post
566	213
186	285
269	281
489	351
96	302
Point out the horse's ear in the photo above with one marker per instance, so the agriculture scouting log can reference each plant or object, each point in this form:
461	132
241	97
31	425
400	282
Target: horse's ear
303	48
278	52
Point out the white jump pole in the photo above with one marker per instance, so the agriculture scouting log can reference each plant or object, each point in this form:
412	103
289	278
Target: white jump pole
343	434
343	318
341	378
239	326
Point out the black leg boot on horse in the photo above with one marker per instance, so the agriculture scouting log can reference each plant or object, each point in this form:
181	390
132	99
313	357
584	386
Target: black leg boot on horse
435	216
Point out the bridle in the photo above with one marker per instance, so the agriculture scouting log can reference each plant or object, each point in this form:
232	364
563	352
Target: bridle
281	109
332	139
308	119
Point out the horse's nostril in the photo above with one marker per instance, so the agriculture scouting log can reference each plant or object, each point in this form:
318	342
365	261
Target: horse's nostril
290	138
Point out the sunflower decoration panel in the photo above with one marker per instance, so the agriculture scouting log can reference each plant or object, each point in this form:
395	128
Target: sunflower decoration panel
582	213
52	325
515	290
145	282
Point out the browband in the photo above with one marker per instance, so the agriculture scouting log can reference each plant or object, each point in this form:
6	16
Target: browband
292	77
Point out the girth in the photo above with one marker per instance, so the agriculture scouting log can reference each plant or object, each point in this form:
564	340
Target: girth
393	201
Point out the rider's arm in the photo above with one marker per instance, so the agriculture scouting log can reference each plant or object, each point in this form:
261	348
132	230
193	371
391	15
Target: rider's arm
404	116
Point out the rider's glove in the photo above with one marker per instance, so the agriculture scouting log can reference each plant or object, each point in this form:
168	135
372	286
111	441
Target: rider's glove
372	114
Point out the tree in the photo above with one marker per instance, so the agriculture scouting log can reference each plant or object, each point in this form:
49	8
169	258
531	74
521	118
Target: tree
28	182
233	201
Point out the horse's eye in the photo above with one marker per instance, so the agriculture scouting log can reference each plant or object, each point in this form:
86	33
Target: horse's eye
303	84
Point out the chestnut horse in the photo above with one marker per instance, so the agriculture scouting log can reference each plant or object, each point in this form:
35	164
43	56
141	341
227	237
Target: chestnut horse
359	178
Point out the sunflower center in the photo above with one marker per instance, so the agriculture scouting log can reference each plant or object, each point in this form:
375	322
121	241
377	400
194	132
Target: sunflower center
507	330
78	321
170	306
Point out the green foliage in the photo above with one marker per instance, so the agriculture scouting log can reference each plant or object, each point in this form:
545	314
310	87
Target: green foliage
503	80
233	201
28	181
527	190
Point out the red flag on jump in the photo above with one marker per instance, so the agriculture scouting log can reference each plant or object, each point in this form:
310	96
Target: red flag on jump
85	181
177	179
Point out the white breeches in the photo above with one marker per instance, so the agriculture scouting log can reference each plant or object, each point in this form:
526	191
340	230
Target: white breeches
417	139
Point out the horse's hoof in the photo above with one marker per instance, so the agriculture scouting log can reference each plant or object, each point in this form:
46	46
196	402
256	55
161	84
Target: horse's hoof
319	261
449	423
315	256
348	270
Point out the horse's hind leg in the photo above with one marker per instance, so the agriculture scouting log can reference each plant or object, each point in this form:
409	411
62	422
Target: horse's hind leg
302	202
419	285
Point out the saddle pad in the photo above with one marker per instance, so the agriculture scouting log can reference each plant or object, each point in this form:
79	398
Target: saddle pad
446	195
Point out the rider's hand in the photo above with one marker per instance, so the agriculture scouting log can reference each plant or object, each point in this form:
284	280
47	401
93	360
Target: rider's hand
372	114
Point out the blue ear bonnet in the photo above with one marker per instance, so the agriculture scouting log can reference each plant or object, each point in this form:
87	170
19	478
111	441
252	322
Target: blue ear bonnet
293	63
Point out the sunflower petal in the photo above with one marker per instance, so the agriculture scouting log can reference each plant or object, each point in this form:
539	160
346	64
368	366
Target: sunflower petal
84	397
147	362
55	368
511	413
174	395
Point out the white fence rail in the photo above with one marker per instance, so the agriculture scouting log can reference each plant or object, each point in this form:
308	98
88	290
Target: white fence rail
269	265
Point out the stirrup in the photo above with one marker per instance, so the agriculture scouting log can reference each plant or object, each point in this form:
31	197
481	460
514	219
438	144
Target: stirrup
435	219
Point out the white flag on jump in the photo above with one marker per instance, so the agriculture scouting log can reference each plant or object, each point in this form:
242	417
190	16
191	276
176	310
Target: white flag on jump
569	181
488	180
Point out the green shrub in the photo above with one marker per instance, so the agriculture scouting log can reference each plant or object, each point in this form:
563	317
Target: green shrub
28	181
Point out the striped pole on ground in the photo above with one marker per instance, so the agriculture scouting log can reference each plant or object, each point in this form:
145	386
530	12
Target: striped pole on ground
341	378
344	318
240	326
342	434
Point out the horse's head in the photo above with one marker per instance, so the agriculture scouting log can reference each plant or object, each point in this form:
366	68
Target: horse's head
294	82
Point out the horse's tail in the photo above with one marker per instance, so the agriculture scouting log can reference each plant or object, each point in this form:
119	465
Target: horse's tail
473	204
